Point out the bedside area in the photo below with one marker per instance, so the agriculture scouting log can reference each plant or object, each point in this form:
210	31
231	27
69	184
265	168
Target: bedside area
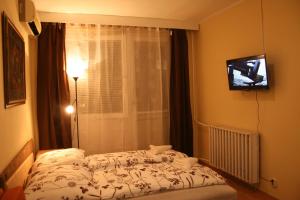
12	194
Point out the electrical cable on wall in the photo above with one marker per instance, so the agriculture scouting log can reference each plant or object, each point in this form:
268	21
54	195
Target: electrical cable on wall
258	116
264	51
262	26
257	100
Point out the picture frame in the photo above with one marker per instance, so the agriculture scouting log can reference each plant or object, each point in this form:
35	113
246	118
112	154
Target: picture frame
13	64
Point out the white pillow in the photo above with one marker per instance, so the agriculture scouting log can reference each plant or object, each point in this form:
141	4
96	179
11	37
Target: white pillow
185	163
59	157
159	149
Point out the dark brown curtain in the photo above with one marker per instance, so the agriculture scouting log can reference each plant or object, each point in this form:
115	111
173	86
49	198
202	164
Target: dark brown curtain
181	125
52	88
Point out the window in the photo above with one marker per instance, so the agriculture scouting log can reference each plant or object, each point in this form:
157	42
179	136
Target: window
112	53
151	65
105	84
101	91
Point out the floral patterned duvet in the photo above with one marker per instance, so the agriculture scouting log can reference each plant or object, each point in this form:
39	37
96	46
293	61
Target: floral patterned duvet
78	182
130	158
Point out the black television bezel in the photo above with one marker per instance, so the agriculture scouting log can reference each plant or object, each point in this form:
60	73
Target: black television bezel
231	87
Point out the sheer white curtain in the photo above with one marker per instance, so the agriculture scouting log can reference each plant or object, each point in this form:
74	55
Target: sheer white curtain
123	95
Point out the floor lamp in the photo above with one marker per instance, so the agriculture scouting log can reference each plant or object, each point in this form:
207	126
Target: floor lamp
76	69
70	109
76	110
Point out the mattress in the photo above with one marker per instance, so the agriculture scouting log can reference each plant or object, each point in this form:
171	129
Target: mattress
214	192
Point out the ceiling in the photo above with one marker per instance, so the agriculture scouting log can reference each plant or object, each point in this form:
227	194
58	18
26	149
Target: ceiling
194	10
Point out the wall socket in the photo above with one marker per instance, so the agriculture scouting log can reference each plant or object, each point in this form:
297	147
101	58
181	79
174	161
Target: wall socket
274	182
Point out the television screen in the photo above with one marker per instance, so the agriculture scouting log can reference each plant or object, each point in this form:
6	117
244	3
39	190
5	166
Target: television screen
247	73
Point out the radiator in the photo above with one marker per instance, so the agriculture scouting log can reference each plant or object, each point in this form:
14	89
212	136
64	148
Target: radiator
235	152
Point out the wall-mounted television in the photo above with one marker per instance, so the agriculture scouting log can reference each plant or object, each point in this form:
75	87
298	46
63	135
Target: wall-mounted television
248	73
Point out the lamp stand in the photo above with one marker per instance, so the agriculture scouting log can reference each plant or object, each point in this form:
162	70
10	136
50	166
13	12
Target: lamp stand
76	111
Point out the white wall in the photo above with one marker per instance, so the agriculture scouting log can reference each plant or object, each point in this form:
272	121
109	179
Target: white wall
238	32
17	124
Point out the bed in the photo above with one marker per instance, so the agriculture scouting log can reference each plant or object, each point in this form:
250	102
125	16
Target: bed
139	175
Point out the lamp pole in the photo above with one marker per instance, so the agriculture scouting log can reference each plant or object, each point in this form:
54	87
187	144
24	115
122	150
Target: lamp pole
76	111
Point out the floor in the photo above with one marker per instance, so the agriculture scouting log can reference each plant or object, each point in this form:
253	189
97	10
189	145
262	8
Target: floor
246	193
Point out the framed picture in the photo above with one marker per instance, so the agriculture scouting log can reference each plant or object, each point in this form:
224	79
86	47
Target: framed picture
13	64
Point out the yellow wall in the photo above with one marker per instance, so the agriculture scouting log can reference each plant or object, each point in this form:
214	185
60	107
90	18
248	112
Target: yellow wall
17	124
237	32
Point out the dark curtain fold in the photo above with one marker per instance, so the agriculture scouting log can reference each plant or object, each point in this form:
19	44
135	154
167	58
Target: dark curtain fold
181	125
52	88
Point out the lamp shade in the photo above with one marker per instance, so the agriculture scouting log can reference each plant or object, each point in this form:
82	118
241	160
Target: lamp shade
76	66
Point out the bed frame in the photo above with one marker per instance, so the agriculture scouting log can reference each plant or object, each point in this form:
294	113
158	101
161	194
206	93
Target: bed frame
16	172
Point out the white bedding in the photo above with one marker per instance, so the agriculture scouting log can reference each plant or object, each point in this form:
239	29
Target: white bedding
71	156
117	179
130	158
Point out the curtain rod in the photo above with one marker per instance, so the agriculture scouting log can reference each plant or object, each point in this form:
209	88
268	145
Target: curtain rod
116	20
105	25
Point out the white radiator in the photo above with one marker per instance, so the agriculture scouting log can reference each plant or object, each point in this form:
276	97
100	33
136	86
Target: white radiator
235	152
